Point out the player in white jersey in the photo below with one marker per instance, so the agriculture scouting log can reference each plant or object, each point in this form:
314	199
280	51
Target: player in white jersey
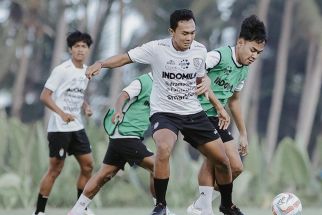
63	94
177	63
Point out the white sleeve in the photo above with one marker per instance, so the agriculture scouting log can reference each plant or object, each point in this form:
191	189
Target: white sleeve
213	58
133	89
202	67
54	80
142	54
240	86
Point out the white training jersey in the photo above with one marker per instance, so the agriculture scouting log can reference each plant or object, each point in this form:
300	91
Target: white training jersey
68	85
213	58
174	75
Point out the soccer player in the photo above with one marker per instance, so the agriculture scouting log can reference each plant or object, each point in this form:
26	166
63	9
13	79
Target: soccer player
177	63
228	68
125	124
63	94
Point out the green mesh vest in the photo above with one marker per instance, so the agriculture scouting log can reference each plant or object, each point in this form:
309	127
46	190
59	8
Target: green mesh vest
225	77
136	113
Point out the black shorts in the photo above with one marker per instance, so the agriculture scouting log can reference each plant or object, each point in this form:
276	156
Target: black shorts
225	135
71	143
196	128
122	150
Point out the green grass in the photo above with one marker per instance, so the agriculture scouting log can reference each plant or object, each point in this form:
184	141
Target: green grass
146	211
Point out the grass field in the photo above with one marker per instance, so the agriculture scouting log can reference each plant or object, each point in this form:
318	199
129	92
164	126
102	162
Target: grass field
146	211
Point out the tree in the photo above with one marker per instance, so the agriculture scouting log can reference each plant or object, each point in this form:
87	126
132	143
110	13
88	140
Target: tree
313	75
280	77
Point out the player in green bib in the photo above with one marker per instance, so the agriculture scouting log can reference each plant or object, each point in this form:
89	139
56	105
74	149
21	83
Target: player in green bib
228	69
125	124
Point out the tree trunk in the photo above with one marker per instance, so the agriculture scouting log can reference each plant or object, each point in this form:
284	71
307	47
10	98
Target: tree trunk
280	77
60	45
20	80
96	31
117	75
309	102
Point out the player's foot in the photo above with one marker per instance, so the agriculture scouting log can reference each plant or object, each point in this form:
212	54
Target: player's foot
193	210
159	209
88	211
169	212
233	210
40	213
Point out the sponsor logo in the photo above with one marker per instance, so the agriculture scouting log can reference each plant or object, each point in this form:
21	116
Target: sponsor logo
198	63
61	152
146	103
228	70
171	62
224	84
184	64
156	125
163	44
170	75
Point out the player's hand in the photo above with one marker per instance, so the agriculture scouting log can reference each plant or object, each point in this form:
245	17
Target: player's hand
224	119
117	117
67	118
93	70
243	146
204	86
88	111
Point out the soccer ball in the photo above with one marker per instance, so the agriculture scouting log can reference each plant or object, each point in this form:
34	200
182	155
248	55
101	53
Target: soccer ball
286	204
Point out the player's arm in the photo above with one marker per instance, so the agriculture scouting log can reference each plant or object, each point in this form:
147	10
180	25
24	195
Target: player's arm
112	62
87	109
224	118
118	106
46	98
235	108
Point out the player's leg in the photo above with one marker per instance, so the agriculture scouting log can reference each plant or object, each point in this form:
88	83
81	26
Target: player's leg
80	148
236	163
201	134
225	189
86	167
93	186
58	144
47	182
165	135
148	164
112	163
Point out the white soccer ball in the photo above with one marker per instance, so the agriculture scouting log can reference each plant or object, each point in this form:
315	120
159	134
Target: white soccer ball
286	204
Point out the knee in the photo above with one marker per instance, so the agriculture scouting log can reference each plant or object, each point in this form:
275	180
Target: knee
222	164
163	151
87	168
237	170
54	172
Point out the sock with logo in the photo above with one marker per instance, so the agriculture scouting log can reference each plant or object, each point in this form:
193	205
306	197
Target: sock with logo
160	186
204	200
80	205
41	203
225	192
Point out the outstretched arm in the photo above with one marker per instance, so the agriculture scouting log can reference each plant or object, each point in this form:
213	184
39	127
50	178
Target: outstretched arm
235	108
112	62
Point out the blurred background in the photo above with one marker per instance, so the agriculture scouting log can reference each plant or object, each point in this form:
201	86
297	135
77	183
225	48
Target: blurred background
281	102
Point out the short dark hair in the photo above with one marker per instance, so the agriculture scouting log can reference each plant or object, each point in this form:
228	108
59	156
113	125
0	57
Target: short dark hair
179	15
78	36
252	29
